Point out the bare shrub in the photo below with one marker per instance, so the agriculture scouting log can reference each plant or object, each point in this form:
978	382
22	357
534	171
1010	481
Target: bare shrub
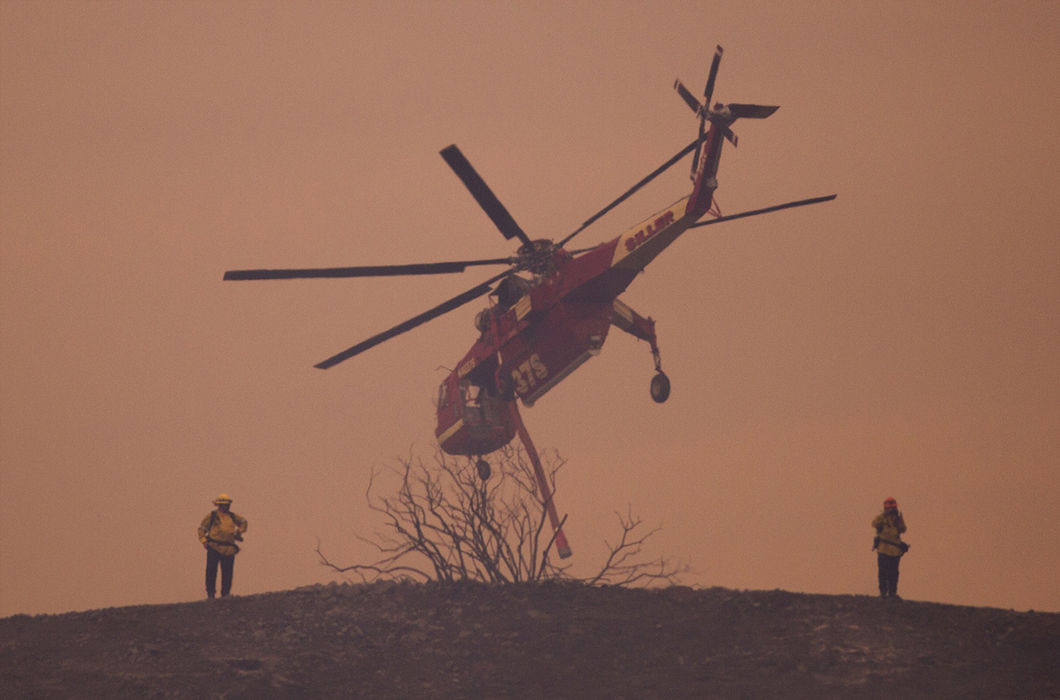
444	523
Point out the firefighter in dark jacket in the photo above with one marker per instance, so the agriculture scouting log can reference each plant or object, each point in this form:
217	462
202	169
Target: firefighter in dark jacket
218	532
889	526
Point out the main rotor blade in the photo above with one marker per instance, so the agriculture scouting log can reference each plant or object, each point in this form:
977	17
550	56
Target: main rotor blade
625	195
363	270
483	194
766	210
444	307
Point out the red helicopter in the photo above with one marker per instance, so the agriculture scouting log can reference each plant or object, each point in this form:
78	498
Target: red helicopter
543	324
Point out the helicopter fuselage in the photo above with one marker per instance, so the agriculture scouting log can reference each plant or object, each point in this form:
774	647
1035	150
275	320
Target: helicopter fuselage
528	346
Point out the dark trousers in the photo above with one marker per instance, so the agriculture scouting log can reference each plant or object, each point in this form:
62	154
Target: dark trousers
227	562
888	570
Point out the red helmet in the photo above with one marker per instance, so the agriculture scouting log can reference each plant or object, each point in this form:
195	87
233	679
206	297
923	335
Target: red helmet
890	503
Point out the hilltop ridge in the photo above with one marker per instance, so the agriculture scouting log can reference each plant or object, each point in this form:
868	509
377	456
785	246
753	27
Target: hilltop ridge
546	640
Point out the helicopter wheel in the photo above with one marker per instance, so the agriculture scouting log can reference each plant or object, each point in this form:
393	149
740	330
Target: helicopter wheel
660	387
483	468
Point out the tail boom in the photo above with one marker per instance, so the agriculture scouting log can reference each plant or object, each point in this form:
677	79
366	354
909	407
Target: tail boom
705	178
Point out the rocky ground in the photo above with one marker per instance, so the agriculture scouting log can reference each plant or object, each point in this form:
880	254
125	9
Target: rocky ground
538	641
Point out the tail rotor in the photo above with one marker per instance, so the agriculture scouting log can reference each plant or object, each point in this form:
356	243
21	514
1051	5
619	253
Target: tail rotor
708	91
701	110
720	115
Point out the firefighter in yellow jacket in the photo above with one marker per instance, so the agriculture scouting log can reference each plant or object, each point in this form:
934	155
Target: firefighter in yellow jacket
889	526
219	532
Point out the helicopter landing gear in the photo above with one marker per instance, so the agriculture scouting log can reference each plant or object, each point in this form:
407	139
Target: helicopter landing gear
483	468
660	383
660	387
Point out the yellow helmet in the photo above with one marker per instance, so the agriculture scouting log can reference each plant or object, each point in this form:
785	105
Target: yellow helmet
222	499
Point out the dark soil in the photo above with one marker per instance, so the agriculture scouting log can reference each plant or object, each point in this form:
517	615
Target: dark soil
538	641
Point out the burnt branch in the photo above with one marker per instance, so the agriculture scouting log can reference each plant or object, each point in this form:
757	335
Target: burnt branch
624	567
444	523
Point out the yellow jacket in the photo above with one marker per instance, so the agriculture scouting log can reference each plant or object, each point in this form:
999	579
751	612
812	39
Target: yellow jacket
219	531
889	529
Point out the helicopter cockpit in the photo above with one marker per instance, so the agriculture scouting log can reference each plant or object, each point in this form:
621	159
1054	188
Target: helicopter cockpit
473	418
510	290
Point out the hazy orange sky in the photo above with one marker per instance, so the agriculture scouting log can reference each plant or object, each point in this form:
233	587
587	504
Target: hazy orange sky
902	340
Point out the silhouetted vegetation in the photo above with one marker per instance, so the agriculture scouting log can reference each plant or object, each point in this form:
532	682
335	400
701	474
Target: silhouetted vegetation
444	523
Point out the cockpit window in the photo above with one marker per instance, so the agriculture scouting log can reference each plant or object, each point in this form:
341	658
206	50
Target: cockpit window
471	392
510	290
